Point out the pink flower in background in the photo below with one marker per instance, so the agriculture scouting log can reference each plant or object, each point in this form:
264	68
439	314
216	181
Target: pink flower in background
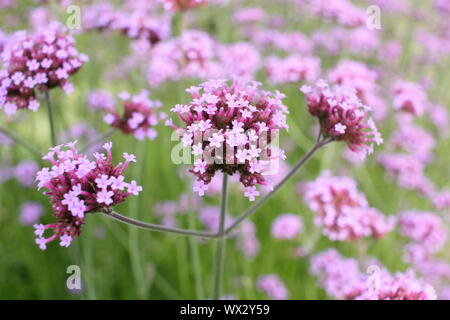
338	106
191	55
342	210
249	15
139	116
413	140
408	171
441	199
426	229
401	286
247	242
134	21
294	68
342	11
234	124
411	150
182	5
291	42
77	186
440	118
273	287
210	217
341	278
30	212
287	226
410	97
101	99
240	59
39	61
25	172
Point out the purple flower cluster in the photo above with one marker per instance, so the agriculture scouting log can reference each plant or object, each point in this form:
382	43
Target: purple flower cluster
77	186
230	128
411	150
37	62
341	278
195	54
294	68
342	11
273	287
182	5
427	232
287	226
410	97
139	116
342	210
342	116
138	21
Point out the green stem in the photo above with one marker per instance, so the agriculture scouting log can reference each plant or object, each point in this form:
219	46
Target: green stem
15	137
51	119
193	245
157	227
220	249
262	200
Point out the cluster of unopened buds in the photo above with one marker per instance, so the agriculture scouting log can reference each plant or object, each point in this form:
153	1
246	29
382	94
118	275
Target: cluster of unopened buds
230	128
39	61
139	116
77	186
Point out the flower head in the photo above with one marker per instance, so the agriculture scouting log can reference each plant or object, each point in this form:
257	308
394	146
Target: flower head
341	278
287	226
273	287
230	127
342	116
77	186
37	62
139	117
342	210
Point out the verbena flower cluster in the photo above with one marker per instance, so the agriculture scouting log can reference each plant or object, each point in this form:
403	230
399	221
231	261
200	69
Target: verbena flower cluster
136	20
342	210
341	278
410	97
272	286
342	116
182	4
37	62
410	150
287	226
230	128
139	117
294	68
195	54
427	232
77	186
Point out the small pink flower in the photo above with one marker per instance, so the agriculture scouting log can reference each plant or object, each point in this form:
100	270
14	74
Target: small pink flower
287	226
